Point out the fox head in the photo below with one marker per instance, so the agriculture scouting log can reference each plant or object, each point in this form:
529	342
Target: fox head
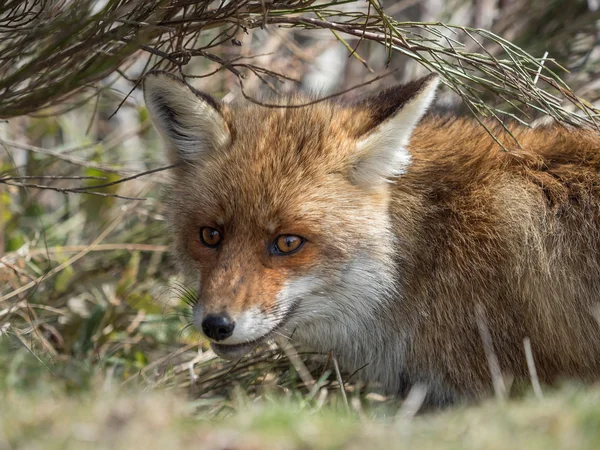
280	214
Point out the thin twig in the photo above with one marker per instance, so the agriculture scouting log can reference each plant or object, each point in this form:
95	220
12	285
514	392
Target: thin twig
492	358
68	190
340	381
51	177
413	402
535	382
292	355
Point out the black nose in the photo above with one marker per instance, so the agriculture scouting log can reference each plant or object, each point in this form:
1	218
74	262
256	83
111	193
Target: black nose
218	326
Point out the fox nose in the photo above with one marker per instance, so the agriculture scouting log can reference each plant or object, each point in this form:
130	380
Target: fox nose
218	326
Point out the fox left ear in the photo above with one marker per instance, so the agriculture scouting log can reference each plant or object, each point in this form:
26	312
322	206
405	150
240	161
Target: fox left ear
190	122
394	114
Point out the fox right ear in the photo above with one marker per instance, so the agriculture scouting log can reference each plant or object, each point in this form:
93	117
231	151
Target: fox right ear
189	122
394	114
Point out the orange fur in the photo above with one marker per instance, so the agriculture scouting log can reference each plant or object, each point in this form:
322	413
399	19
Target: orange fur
402	275
515	232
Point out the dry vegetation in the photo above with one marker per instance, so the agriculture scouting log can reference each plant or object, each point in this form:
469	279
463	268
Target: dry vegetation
91	310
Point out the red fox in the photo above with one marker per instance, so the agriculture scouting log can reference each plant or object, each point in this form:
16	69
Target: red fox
401	242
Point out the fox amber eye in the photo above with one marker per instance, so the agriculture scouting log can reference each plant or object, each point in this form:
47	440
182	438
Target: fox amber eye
210	236
287	244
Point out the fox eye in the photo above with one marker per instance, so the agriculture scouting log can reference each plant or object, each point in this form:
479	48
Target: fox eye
211	237
286	244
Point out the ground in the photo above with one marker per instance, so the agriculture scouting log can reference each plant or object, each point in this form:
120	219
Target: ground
108	417
96	350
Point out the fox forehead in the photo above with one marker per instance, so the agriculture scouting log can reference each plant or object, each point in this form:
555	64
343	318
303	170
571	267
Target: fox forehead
283	165
242	197
285	141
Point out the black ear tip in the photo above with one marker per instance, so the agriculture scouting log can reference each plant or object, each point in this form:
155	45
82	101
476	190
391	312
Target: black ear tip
169	77
157	74
420	84
387	102
430	79
161	73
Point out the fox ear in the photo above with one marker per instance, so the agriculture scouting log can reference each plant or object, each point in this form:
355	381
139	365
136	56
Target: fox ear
394	114
189	122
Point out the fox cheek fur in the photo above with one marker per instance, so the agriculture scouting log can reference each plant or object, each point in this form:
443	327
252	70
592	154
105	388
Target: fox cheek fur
418	233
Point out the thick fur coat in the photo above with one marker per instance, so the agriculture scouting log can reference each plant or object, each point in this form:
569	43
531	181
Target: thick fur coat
428	249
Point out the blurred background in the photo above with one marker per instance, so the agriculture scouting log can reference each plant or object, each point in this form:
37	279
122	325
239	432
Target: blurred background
87	287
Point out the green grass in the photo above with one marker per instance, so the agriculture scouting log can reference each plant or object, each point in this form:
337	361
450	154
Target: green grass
108	417
75	403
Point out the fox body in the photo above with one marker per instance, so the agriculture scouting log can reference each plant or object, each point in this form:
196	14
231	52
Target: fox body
413	247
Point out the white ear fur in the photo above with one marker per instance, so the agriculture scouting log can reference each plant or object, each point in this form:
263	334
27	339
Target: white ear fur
383	150
189	122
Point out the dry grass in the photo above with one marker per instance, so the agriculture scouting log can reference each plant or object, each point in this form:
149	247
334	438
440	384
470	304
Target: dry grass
51	49
95	343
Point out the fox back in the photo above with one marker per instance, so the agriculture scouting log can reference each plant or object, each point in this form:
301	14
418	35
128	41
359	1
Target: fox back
416	249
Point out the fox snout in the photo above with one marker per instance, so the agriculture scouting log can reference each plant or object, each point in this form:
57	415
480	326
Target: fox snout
232	312
232	326
234	334
217	326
